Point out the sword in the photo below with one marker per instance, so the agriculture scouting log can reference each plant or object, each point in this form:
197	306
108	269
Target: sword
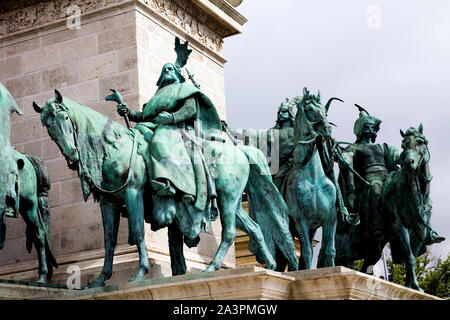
117	97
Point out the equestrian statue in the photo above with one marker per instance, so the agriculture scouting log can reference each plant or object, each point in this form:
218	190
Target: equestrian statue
24	188
390	193
310	188
174	169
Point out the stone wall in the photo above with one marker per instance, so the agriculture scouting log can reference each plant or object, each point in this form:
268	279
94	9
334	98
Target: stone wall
120	44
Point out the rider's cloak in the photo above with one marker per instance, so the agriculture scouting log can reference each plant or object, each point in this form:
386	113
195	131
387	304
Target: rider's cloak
169	157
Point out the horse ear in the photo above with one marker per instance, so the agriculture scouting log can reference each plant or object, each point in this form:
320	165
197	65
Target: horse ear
318	94
58	96
402	133
305	92
421	128
37	107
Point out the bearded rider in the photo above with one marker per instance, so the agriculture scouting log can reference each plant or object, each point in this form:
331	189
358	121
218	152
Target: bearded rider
175	121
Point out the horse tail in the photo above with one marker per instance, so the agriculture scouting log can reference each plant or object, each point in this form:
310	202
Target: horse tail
268	209
43	187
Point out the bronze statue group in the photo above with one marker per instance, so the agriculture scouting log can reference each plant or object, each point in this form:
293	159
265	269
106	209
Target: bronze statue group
181	167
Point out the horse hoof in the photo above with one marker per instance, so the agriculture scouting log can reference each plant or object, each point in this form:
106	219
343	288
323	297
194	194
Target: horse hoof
138	276
97	283
210	268
42	279
271	265
416	287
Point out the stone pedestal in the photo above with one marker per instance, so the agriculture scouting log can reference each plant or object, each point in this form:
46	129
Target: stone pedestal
119	44
251	283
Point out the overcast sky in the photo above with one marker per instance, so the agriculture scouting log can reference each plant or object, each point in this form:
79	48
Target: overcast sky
397	67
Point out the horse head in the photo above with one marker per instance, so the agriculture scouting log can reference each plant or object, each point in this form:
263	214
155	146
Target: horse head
60	126
415	148
314	114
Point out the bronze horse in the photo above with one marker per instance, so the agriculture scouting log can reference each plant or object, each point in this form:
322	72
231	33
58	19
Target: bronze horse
24	188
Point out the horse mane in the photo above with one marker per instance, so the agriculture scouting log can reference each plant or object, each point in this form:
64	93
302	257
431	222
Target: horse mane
96	134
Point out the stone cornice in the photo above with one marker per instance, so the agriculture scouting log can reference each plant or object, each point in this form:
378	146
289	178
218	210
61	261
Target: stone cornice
18	16
205	21
45	12
230	12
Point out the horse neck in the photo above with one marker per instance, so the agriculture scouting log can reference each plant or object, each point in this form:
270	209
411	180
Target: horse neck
410	186
99	126
96	138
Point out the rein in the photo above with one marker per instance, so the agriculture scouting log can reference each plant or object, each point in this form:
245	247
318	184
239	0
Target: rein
89	178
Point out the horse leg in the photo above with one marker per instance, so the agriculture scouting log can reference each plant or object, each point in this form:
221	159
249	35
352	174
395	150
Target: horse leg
135	205
30	215
306	247
227	206
405	243
111	220
177	260
328	249
250	227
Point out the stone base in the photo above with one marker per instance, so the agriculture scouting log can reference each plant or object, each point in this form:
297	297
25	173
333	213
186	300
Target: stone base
90	263
19	290
339	283
252	283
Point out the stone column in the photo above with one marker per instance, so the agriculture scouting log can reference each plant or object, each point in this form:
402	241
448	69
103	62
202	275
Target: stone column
119	44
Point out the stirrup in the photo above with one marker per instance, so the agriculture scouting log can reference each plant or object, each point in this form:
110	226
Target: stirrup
162	189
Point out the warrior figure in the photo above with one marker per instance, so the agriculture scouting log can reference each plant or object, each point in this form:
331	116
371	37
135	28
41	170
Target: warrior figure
371	163
365	168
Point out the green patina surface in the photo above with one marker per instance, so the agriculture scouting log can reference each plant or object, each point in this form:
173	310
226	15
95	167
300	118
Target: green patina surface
174	170
24	188
390	192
